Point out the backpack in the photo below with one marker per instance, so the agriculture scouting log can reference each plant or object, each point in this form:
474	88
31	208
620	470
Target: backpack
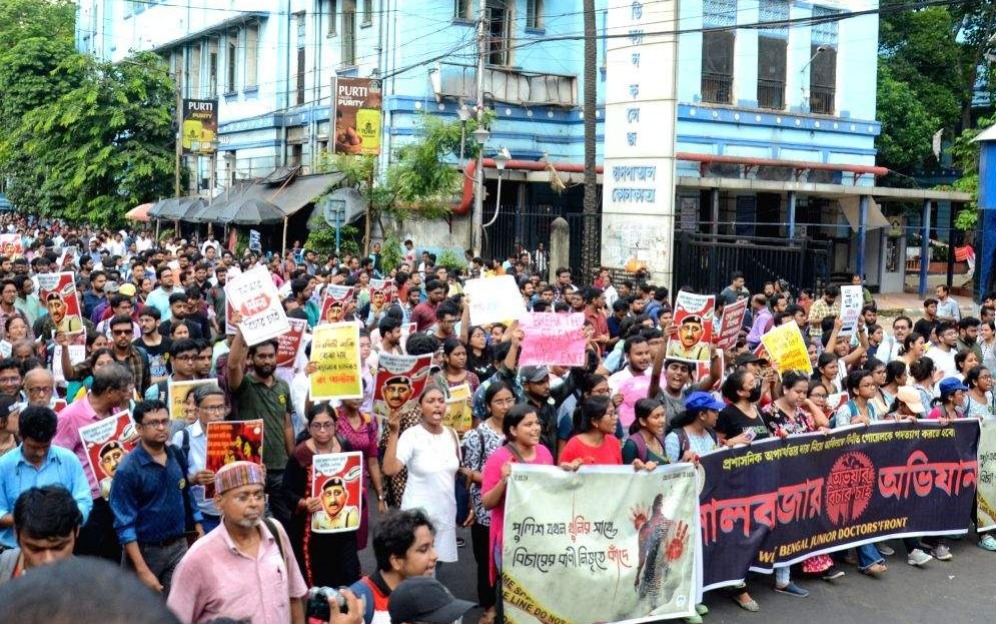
641	444
685	444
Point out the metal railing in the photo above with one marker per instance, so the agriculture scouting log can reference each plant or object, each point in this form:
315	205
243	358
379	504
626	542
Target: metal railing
771	93
717	88
532	228
706	261
822	100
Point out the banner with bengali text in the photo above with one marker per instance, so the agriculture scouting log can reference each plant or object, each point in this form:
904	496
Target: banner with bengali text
987	476
629	537
777	502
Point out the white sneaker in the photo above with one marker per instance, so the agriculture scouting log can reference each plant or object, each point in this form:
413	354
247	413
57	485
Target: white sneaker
918	558
942	553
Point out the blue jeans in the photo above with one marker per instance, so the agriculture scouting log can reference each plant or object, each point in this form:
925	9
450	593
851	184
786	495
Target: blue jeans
868	556
783	576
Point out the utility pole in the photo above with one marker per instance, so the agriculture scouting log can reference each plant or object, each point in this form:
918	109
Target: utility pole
477	217
179	133
590	227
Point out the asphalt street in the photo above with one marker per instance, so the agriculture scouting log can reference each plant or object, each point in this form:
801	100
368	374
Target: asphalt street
960	591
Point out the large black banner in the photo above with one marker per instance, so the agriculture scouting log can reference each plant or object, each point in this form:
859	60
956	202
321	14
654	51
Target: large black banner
777	502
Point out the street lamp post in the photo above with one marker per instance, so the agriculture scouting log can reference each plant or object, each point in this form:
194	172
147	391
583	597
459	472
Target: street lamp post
464	114
501	160
481	136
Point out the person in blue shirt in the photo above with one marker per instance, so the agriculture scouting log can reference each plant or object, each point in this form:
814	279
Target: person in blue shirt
36	463
151	500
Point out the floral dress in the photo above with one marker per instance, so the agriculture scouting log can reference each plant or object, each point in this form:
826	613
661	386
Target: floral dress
793	424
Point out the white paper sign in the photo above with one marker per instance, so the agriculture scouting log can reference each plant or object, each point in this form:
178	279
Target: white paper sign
254	295
494	300
77	353
851	300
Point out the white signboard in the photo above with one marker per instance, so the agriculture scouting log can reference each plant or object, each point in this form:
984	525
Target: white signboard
254	295
494	300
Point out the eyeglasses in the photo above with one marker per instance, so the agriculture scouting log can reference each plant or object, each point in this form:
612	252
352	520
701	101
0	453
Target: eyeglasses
156	424
215	409
40	390
121	332
10	380
322	426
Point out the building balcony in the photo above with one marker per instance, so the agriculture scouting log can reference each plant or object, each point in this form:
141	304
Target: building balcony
717	88
506	85
822	100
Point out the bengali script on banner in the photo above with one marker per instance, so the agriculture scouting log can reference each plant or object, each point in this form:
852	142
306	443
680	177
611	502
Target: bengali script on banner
777	502
335	347
629	538
986	514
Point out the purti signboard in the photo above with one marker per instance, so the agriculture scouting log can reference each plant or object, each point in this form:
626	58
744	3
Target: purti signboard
200	126
640	102
356	111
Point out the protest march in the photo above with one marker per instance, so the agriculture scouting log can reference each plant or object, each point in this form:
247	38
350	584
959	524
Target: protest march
182	412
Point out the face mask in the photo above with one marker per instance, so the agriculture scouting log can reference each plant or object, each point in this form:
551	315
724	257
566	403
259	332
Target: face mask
755	394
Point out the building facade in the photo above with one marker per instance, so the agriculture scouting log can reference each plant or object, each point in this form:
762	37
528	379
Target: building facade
772	95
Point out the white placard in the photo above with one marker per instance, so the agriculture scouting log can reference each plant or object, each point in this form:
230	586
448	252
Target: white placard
254	295
494	300
851	300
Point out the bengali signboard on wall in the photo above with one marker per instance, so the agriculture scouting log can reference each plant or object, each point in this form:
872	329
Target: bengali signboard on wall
640	101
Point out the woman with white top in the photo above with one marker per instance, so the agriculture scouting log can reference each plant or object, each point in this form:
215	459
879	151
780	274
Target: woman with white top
431	453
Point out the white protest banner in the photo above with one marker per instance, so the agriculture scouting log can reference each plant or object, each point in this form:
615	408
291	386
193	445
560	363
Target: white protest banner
986	488
550	338
851	301
77	353
634	536
730	324
494	300
255	297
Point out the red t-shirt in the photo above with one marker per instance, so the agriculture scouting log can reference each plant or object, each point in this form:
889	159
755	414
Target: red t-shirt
608	454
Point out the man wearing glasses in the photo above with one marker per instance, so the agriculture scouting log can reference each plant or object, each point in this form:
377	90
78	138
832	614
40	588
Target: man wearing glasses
212	406
147	499
111	390
132	358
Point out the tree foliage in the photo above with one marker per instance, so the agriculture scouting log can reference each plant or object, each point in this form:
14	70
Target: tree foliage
81	139
420	182
929	59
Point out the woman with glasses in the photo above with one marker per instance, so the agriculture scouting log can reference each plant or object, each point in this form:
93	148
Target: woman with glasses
478	446
326	559
360	431
979	398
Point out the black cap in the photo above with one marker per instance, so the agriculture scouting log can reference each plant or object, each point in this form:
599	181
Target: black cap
424	599
749	358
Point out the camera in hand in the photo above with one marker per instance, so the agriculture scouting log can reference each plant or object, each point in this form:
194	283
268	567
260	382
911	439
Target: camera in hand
318	603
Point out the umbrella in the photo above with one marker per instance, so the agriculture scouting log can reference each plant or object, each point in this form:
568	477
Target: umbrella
247	211
174	208
139	212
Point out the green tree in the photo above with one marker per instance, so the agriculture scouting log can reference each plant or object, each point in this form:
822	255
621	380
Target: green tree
102	146
24	19
420	182
907	125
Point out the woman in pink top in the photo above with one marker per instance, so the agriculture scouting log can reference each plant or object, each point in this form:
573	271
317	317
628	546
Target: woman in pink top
521	427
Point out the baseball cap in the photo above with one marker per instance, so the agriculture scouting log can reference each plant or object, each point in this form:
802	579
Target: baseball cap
911	398
535	373
128	290
112	287
950	385
749	358
424	599
700	400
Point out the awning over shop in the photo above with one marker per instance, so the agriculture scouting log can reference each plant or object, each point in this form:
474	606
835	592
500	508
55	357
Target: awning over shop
174	208
289	199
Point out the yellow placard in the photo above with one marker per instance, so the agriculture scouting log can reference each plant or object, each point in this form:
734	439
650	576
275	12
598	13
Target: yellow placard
335	347
458	410
787	348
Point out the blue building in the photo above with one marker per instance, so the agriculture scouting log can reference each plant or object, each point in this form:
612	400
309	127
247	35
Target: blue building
775	118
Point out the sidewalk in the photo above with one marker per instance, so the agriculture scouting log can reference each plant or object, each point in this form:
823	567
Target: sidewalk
894	304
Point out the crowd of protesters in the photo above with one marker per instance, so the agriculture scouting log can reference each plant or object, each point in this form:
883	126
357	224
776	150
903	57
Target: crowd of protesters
154	312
